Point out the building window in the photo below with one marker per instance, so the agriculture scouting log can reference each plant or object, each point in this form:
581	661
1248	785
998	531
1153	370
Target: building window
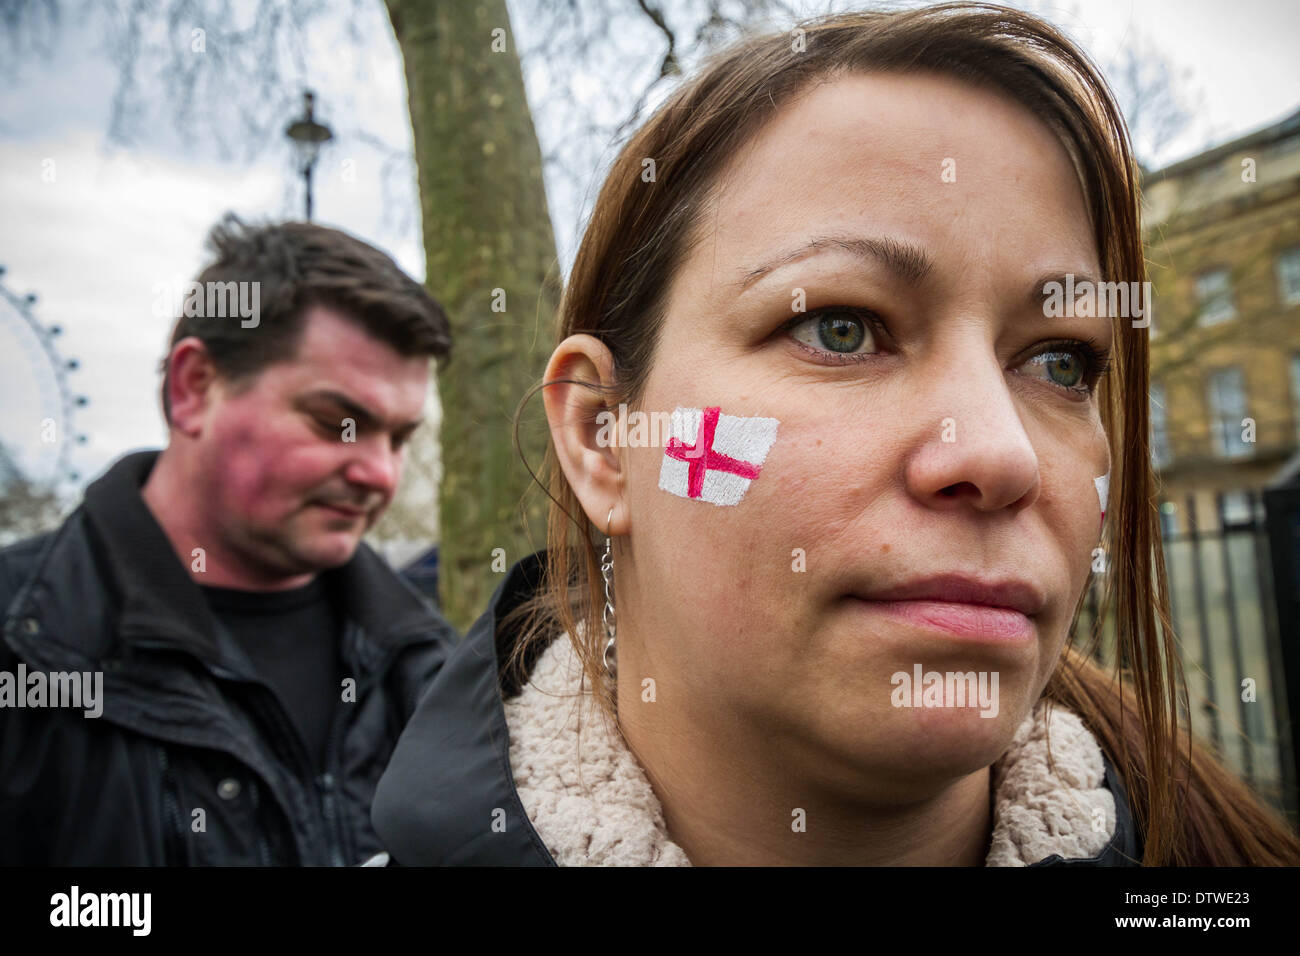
1214	293
1288	276
1160	452
1227	409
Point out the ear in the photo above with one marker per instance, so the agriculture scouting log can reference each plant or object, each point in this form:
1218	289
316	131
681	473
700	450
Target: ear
591	464
190	384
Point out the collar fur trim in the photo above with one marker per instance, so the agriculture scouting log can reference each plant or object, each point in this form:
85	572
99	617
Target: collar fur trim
593	806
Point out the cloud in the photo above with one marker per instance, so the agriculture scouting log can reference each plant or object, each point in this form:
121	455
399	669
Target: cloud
92	243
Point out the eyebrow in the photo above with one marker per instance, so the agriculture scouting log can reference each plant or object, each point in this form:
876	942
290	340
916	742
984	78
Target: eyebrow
365	418
1037	293
907	261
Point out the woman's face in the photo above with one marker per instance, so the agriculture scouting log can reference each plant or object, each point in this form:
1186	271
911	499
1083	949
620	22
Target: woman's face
928	425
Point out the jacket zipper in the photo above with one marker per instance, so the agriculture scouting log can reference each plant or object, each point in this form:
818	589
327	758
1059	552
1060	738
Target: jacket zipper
332	822
171	813
289	743
343	838
339	842
263	851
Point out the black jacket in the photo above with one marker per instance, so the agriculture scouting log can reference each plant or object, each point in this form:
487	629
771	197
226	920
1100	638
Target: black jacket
186	724
450	772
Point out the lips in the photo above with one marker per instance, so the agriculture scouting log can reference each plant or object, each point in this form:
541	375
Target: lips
965	620
1007	593
962	605
342	510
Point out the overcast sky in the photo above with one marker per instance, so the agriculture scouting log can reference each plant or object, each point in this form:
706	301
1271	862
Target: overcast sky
92	229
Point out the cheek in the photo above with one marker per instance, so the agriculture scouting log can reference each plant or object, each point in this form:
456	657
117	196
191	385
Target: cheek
1070	551
742	566
265	469
820	474
1075	502
1093	556
825	484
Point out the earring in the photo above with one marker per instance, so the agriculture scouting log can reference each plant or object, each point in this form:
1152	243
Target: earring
607	572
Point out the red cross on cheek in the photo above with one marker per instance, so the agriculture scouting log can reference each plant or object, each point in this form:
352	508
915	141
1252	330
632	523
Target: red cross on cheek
701	456
712	475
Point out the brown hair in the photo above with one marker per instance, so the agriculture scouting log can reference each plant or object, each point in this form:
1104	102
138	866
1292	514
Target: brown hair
298	265
1190	810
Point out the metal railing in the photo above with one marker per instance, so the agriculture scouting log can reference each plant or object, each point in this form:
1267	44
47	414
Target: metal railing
1225	613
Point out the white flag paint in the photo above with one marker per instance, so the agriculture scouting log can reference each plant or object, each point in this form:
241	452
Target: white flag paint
714	457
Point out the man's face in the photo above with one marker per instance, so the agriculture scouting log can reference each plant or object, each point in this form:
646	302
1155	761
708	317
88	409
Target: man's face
300	462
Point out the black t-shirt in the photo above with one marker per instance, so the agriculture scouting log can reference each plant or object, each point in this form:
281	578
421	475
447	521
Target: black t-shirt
292	638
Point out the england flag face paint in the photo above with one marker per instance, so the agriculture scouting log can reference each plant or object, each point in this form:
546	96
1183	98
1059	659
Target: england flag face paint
1103	491
714	457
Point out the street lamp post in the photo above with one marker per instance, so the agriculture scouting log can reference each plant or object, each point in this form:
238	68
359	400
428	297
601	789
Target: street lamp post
307	136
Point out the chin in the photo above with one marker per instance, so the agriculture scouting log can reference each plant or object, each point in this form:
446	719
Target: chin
909	746
331	552
949	744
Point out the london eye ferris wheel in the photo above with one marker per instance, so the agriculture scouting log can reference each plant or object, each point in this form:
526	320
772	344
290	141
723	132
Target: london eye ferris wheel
37	431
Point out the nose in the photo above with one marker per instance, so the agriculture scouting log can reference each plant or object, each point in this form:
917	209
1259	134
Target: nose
375	466
977	453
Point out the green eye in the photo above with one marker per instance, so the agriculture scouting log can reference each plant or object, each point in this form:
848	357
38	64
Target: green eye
839	331
1076	366
1064	368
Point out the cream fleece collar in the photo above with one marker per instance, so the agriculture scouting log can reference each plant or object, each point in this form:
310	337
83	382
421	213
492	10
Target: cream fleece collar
601	811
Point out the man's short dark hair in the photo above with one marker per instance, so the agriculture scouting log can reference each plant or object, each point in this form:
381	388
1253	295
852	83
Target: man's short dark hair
298	265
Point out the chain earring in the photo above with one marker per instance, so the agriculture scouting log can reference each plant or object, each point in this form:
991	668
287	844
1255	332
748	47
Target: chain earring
607	572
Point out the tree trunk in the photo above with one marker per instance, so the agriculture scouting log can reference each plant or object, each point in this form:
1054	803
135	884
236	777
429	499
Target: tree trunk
491	263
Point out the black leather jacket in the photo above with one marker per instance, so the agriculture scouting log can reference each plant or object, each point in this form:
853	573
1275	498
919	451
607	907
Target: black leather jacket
193	760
